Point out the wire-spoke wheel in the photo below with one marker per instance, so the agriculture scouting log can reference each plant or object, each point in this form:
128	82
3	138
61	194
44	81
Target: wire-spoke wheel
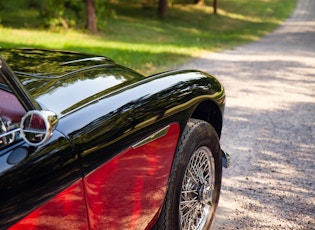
197	189
195	180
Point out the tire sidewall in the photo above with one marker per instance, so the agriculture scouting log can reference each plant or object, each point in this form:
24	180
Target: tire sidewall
196	134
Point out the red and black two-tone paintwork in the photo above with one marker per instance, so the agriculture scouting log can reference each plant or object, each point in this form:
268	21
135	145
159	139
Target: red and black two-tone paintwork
107	163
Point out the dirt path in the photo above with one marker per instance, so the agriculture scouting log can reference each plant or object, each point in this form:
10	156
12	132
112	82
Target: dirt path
269	127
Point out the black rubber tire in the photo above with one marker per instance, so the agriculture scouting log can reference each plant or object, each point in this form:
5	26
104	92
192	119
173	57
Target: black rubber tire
196	134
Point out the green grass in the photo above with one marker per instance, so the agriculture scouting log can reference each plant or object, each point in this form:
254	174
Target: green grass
137	38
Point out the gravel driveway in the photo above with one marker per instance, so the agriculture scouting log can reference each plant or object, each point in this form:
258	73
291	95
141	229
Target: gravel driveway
269	127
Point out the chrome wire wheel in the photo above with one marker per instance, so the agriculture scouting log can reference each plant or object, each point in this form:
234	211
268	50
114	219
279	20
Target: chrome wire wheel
195	181
196	199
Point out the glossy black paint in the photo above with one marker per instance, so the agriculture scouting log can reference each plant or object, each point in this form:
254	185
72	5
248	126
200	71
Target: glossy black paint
24	186
96	121
114	122
49	64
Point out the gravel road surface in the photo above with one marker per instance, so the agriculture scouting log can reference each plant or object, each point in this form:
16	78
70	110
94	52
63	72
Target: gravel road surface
269	127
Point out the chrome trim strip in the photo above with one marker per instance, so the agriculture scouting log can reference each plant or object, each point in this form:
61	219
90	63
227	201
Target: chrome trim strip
162	132
10	132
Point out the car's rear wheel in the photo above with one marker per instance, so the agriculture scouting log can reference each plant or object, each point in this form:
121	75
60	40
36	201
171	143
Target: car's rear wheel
195	180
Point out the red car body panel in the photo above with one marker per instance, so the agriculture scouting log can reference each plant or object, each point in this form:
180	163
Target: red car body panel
124	193
65	211
128	191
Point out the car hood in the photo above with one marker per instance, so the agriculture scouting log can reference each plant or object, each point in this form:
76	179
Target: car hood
62	81
48	63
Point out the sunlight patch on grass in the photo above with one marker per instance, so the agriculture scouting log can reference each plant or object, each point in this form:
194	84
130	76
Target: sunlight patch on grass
33	38
247	18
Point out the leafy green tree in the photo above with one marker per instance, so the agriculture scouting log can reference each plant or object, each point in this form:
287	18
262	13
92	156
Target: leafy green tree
61	13
73	13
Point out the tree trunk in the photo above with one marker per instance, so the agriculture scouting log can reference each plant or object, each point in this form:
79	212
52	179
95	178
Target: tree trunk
215	6
162	9
91	19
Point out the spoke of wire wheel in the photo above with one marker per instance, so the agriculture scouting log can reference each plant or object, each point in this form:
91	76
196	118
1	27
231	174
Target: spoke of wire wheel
194	216
190	191
192	176
188	221
194	173
190	209
189	205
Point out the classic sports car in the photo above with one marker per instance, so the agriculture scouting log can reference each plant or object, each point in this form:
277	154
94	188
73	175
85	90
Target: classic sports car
86	143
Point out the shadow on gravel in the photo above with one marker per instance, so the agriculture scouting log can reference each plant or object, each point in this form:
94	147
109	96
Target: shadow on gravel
277	178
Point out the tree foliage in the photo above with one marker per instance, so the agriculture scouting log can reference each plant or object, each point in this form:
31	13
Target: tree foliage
61	13
90	14
72	13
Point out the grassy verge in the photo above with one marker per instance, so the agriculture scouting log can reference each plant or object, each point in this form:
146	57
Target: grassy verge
137	38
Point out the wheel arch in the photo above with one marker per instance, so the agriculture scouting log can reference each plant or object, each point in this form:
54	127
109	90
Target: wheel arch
210	112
